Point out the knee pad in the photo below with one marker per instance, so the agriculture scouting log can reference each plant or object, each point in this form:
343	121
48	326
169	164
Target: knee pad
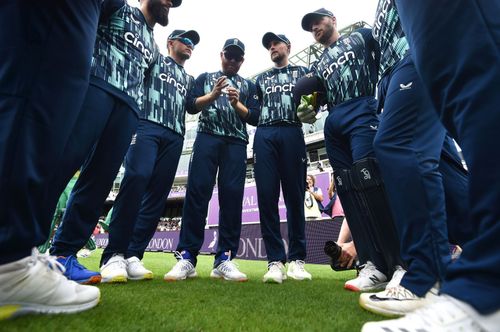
355	214
369	186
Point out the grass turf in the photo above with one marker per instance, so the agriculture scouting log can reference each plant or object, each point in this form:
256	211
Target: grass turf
204	304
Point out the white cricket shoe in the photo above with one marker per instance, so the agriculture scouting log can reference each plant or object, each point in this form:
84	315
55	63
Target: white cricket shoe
36	284
297	271
395	301
275	273
398	274
228	270
115	270
369	279
445	314
136	269
182	270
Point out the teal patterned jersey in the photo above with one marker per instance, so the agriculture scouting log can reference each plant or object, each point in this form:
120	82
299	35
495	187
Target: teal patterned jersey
123	51
165	94
387	30
274	88
220	118
349	68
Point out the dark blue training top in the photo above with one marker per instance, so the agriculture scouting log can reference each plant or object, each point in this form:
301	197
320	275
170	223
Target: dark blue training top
274	88
165	94
349	67
124	49
220	118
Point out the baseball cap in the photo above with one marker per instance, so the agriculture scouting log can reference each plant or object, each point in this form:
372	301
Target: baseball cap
176	3
191	34
309	17
234	44
270	36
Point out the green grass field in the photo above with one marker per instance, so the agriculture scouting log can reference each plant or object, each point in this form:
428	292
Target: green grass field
204	304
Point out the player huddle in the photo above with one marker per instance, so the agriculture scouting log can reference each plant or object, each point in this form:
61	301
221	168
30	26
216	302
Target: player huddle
396	168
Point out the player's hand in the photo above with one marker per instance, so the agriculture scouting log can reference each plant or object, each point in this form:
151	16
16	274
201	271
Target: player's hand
233	95
348	255
305	111
218	87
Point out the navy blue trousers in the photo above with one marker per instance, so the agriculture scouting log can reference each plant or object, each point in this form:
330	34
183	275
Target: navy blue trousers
150	166
45	52
106	125
456	194
350	129
463	39
210	154
280	157
408	147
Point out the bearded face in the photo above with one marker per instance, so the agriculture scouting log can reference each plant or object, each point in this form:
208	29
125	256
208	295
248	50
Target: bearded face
159	10
326	34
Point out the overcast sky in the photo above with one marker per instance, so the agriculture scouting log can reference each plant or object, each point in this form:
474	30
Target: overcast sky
248	20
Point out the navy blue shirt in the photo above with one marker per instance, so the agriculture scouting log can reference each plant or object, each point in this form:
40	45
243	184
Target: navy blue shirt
220	118
349	67
165	94
274	88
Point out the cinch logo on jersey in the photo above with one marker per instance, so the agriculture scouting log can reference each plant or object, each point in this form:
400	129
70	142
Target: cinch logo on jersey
350	55
181	88
134	40
380	18
280	88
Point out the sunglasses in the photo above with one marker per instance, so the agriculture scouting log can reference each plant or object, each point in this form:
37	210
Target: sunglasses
233	56
186	41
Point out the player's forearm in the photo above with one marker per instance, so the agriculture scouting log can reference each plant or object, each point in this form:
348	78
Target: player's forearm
344	234
203	101
241	110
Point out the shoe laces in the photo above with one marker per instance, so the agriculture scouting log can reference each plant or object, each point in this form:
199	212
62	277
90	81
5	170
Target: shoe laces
367	269
400	292
398	274
182	263
299	265
275	267
178	255
48	260
228	266
115	260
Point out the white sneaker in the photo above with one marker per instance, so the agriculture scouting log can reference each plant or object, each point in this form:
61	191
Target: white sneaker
395	301
446	314
228	271
182	270
136	270
275	274
398	274
369	279
36	284
115	270
297	271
